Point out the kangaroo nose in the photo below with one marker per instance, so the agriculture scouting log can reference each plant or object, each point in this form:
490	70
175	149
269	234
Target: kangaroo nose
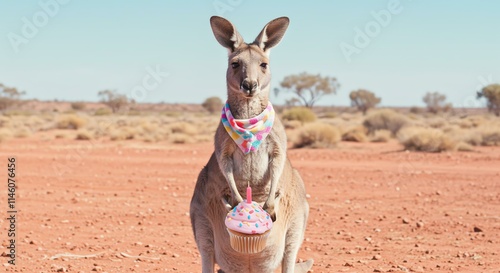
249	86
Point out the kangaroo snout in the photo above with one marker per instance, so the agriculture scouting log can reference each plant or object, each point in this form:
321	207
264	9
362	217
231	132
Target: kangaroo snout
249	87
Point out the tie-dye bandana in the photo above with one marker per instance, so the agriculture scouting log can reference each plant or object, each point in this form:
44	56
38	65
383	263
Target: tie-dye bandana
248	134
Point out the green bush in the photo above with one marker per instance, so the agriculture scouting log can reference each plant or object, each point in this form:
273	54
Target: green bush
302	114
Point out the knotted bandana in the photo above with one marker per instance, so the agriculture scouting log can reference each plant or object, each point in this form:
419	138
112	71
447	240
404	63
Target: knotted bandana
248	134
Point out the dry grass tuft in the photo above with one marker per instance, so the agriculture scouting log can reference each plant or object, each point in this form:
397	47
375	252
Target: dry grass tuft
490	136
317	135
381	136
464	147
181	138
183	128
385	119
5	134
72	122
292	124
426	140
302	114
103	112
355	134
84	135
123	133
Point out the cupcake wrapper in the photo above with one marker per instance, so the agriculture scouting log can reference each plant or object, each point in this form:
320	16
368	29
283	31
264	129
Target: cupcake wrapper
248	244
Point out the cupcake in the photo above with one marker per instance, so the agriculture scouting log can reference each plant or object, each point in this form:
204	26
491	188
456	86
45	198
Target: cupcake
248	226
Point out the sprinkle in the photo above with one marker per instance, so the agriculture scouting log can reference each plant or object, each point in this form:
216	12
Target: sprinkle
240	214
240	225
229	219
250	212
257	210
253	231
248	217
267	217
234	210
256	225
233	215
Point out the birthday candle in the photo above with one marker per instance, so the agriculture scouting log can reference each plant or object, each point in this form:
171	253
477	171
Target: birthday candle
249	194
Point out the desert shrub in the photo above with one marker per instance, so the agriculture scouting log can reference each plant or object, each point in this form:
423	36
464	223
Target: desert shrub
172	114
381	136
5	134
212	104
181	138
292	124
124	133
183	128
302	114
62	136
385	119
416	110
425	140
490	136
84	135
134	113
317	135
103	112
355	134
78	105
469	136
437	122
22	132
464	147
72	122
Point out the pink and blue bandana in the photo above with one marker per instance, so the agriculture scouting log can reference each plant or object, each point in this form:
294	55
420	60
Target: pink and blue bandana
248	134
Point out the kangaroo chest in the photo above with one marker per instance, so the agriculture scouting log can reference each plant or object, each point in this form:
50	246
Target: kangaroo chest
252	168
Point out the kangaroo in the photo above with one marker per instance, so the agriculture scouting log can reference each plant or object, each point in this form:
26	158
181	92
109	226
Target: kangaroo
275	183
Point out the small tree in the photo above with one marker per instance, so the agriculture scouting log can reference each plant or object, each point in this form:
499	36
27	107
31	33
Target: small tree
492	95
9	96
308	88
436	102
363	100
112	99
212	104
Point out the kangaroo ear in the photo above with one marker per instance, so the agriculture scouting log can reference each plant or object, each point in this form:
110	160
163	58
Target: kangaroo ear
272	33
225	33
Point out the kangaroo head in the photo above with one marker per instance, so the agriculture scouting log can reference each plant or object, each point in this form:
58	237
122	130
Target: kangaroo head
248	72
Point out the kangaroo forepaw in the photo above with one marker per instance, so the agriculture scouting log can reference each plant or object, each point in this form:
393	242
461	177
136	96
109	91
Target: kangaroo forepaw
304	267
270	209
226	204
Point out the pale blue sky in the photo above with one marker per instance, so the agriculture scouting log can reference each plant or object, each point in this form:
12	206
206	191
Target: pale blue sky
85	46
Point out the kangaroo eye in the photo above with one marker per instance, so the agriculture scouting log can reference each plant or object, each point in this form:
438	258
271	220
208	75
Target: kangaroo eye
263	65
235	65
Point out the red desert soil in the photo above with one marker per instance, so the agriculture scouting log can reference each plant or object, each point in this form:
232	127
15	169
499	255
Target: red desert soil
373	208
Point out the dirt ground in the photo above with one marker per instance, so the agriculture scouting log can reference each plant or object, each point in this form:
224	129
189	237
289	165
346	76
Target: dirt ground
374	208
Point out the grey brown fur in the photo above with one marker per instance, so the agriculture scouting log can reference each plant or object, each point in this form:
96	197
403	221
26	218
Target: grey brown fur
275	183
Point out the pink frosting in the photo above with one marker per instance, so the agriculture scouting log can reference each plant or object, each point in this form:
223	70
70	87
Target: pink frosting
249	219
